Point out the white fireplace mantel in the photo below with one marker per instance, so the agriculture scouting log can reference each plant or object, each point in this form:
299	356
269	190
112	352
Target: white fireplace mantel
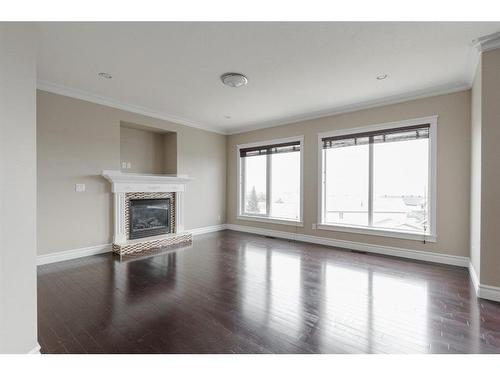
122	183
137	183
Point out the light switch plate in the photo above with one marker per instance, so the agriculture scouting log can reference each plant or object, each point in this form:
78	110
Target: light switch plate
129	165
79	188
314	226
124	165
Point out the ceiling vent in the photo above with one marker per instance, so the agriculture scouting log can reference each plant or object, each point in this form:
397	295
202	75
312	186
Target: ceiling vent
234	79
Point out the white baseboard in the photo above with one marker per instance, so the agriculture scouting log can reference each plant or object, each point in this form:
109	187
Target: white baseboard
377	249
36	349
72	254
474	278
489	292
105	248
483	291
203	230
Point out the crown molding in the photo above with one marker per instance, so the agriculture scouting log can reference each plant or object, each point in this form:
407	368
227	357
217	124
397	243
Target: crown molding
109	102
482	44
381	102
395	99
487	42
473	60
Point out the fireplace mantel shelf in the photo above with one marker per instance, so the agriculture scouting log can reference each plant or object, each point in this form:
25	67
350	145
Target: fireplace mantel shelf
136	182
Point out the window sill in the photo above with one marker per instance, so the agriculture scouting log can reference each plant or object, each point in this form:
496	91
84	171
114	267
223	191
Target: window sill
271	220
379	232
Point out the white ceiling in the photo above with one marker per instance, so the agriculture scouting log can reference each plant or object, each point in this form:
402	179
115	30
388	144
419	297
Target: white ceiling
295	70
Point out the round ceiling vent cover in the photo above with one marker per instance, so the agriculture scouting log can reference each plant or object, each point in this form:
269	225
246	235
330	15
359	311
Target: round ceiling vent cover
234	79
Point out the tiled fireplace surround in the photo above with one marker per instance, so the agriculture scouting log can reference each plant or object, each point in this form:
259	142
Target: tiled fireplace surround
131	196
127	186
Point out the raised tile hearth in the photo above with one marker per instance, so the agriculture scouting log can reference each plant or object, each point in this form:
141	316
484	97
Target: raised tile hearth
132	187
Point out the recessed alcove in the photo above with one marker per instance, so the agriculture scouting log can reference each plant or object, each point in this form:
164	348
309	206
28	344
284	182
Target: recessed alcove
147	150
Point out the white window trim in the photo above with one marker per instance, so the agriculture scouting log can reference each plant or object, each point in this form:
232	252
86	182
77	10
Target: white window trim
432	188
239	181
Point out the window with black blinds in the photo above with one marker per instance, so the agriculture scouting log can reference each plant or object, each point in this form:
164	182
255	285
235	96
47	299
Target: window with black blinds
380	136
270	149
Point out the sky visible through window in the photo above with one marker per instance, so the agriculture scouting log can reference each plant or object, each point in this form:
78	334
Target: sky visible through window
285	191
255	184
400	185
285	185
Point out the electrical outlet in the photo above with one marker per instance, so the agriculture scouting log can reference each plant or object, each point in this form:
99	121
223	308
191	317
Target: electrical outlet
79	188
314	226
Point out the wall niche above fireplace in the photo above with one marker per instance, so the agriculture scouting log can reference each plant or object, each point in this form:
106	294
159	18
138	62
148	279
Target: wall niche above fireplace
147	150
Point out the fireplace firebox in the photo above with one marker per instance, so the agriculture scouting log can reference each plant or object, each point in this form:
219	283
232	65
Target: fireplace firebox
149	217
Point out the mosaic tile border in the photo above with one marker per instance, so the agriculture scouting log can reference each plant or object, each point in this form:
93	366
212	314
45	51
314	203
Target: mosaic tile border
132	248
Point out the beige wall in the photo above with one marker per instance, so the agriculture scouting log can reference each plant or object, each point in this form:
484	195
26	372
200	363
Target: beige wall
78	139
18	301
475	184
453	161
170	149
490	169
144	149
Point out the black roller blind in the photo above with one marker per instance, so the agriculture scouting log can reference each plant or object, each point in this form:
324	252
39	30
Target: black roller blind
270	149
407	133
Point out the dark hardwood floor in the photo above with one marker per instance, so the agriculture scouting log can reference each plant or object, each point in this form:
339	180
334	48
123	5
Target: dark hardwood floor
239	293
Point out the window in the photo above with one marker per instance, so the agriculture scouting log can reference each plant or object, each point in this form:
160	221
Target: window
270	181
380	179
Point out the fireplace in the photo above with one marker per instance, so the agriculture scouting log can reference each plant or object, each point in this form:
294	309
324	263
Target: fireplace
149	217
148	211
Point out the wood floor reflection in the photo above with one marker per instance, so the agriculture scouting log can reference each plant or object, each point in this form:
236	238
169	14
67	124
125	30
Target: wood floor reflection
240	293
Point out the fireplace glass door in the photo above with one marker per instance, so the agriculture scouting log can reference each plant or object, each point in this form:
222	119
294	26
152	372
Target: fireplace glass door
149	217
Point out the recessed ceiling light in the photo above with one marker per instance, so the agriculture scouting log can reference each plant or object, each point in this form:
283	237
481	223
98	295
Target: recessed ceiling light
234	79
227	116
105	75
381	77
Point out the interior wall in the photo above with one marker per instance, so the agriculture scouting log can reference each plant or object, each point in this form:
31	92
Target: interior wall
143	149
453	162
78	139
18	299
170	147
490	169
475	183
